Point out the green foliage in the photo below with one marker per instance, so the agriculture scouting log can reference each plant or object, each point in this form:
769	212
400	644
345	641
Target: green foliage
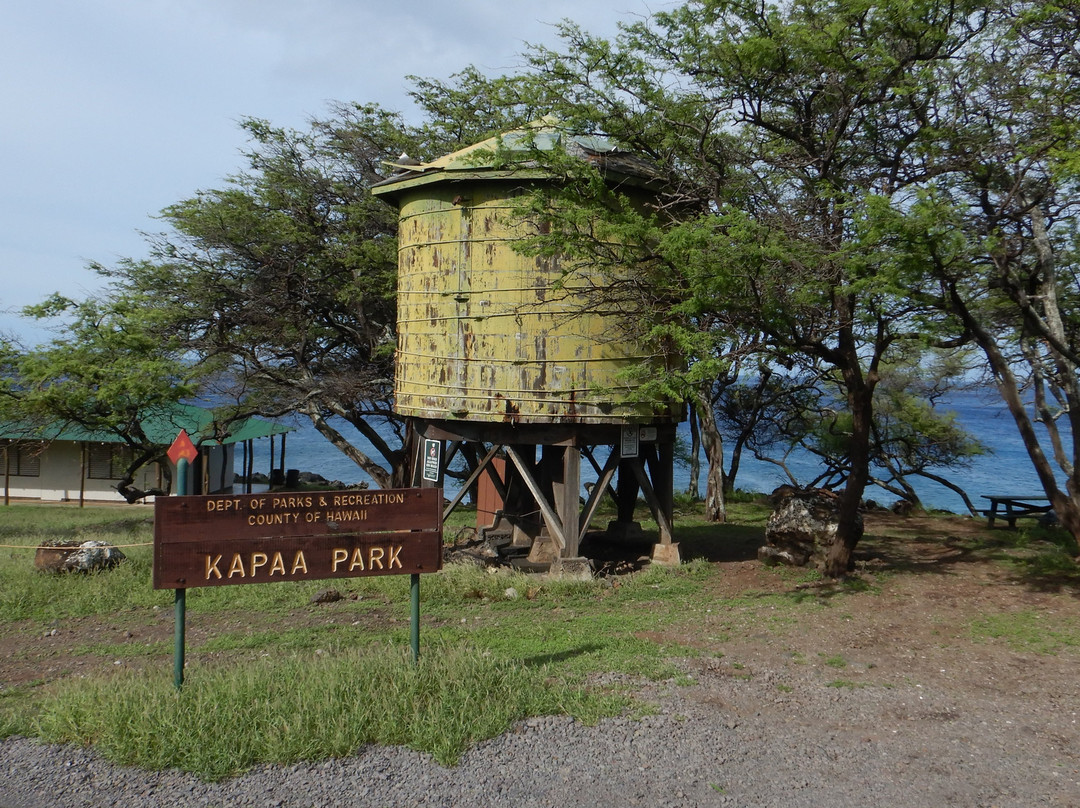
773	128
108	369
470	107
26	594
1028	630
281	285
306	707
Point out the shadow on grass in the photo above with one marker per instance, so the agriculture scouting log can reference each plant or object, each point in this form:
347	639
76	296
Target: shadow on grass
1039	559
720	542
711	542
540	660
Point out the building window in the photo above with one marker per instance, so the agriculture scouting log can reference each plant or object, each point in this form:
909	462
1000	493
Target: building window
108	461
22	459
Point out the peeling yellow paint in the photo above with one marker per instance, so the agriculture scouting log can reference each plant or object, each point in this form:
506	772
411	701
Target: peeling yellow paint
487	333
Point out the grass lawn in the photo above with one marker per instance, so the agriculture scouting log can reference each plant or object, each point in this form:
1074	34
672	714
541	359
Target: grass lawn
273	677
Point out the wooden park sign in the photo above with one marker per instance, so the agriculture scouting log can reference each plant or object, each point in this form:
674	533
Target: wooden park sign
295	536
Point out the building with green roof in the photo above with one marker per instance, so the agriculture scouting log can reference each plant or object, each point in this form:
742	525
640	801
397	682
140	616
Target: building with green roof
67	463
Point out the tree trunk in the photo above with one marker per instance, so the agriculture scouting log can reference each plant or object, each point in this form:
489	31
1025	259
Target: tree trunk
405	472
1066	504
733	469
713	443
377	473
693	490
860	394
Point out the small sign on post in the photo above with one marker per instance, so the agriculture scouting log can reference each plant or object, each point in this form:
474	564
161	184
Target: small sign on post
432	459
181	453
182	449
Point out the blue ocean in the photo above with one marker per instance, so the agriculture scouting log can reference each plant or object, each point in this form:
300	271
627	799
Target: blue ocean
1004	469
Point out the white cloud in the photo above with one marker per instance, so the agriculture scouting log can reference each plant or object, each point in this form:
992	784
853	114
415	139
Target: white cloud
117	108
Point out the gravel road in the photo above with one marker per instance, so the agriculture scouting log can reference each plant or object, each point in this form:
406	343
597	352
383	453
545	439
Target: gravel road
767	739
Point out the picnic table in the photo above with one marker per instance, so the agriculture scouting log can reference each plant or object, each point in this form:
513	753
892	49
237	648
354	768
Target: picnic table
1014	506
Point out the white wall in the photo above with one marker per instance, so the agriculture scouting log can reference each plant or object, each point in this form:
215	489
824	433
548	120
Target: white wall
61	463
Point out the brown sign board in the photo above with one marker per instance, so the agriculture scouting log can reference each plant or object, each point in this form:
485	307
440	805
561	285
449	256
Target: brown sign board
221	540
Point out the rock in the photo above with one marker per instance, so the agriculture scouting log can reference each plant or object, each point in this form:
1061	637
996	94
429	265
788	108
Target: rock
801	529
903	507
70	555
577	568
327	596
774	556
257	478
782	492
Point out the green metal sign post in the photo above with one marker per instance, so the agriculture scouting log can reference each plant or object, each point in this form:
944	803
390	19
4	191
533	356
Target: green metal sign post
180	604
414	617
181	452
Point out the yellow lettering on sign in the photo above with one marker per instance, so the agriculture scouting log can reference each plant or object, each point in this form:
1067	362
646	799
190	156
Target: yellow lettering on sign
222	504
277	564
257	519
294	501
257	560
342	559
299	563
370	498
354	515
237	566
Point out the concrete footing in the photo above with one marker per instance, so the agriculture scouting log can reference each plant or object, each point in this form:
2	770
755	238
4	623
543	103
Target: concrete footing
666	554
626	533
575	569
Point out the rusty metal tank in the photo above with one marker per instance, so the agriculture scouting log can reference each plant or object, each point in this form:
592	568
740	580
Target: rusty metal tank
486	333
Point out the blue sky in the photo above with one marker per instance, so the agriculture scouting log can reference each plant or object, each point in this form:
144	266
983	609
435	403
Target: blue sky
114	109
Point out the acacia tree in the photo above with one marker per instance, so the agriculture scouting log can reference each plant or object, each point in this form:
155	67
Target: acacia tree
996	225
911	435
280	286
283	283
773	127
767	412
107	370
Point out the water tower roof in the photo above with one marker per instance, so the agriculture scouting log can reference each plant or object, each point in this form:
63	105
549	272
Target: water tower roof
512	154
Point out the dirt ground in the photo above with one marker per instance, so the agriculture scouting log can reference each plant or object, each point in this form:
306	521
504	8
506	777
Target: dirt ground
937	605
953	640
927	581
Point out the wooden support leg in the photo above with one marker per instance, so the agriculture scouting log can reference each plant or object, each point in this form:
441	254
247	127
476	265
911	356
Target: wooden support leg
666	551
603	484
662	468
551	518
566	490
626	491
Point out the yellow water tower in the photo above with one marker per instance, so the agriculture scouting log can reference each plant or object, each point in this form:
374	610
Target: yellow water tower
501	355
